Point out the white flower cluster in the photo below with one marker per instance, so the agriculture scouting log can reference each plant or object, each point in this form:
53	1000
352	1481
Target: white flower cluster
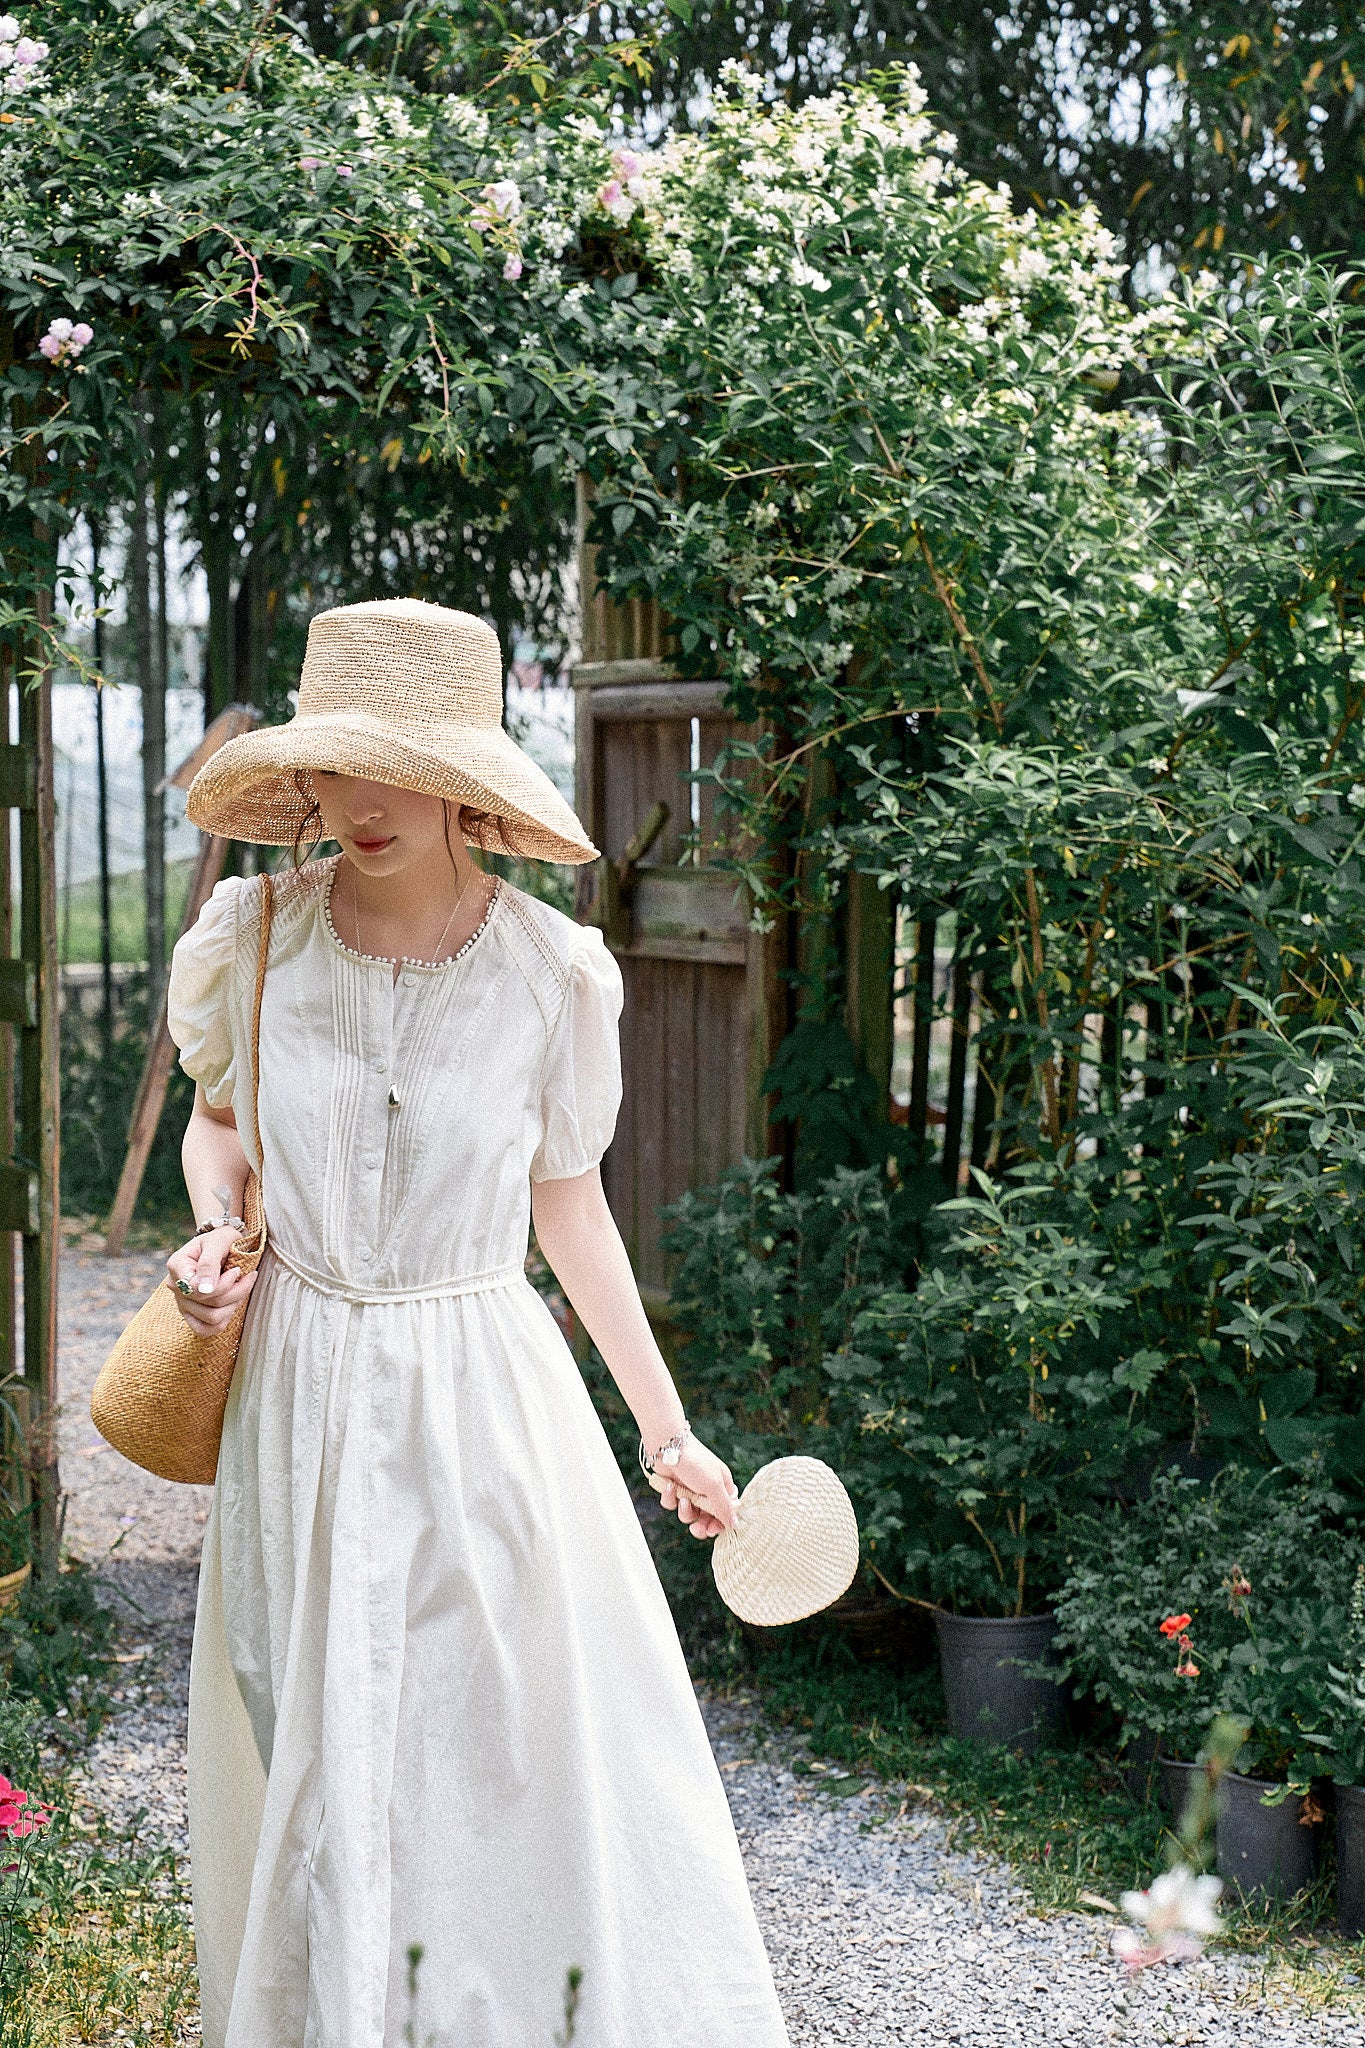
465	119
20	55
1171	1921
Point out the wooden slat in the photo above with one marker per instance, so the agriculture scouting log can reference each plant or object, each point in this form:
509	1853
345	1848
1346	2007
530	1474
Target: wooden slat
13	1468
701	952
18	993
20	1198
697	904
18	778
658	700
680	1096
605	675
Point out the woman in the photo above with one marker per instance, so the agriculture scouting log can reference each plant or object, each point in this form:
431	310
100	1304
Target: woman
437	1701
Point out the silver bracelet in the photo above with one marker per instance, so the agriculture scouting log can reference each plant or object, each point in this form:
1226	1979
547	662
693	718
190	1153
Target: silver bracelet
667	1453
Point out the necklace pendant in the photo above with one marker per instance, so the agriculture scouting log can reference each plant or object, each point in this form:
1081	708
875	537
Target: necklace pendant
395	1100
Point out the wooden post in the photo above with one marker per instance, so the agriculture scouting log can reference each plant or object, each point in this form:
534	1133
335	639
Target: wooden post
871	973
957	1068
926	931
156	1070
13	1477
40	1099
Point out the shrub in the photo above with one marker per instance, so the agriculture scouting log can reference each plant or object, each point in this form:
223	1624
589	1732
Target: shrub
1226	1597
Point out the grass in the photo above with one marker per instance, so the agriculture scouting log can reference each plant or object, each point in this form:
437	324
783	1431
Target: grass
94	1931
78	915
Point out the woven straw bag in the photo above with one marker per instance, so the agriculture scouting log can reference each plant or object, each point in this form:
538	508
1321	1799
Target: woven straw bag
794	1547
162	1390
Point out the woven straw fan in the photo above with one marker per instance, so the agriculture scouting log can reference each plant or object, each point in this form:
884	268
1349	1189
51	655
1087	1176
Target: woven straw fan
794	1546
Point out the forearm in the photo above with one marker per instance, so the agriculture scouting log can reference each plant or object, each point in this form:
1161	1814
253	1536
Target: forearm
578	1236
211	1156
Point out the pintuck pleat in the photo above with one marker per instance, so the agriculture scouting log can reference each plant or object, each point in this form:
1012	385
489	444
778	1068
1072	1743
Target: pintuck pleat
438	1702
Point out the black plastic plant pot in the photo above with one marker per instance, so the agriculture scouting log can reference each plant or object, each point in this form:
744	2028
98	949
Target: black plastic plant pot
1351	1859
1177	1783
989	1698
1263	1850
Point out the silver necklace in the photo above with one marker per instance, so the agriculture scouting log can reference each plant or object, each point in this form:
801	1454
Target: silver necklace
440	943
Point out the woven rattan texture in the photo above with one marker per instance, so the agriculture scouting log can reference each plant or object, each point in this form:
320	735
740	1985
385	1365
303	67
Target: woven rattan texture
403	693
794	1548
162	1391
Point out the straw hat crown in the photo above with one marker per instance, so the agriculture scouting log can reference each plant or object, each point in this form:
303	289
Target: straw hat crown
401	692
402	658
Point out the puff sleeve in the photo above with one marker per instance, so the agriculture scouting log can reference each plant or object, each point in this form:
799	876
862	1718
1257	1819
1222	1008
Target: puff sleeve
580	1085
200	995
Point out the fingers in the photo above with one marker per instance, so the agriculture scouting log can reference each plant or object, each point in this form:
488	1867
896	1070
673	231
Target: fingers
207	1312
209	1269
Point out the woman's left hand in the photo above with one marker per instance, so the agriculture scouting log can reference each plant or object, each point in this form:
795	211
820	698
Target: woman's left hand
700	1472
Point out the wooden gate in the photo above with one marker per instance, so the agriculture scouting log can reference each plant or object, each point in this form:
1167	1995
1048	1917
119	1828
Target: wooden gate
704	1009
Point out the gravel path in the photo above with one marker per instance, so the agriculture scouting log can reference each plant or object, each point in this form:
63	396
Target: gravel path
878	1932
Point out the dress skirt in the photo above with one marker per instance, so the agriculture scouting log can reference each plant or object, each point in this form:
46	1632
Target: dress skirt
444	1745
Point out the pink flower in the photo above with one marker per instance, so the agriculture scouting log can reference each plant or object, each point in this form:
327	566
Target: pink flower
612	194
511	269
65	338
27	53
626	165
309	163
345	171
14	1821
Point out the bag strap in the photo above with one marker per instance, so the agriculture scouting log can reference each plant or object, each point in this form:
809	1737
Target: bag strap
267	913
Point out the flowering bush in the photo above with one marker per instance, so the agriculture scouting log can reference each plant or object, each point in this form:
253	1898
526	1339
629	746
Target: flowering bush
1226	1598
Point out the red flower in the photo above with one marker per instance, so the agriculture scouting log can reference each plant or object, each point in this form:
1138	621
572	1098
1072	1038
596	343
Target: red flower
1175	1624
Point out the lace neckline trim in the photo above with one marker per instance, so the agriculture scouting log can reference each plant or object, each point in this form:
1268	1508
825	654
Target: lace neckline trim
386	960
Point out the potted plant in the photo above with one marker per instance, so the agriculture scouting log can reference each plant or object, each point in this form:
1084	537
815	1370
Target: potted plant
1346	1723
999	1414
1219	1598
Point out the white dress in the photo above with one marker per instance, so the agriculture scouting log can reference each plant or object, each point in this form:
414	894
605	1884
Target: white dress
437	1699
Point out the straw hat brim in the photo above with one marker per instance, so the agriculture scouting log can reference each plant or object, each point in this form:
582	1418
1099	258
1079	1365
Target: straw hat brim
794	1547
250	788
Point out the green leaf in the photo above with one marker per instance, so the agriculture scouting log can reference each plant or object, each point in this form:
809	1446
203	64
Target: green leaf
1138	1374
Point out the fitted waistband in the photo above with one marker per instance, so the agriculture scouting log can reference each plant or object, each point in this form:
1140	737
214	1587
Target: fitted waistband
364	1297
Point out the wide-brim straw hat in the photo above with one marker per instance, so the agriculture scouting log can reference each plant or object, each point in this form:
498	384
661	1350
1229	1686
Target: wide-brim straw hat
794	1547
400	692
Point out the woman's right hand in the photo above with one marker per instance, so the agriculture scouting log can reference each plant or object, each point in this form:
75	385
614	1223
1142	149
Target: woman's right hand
213	1295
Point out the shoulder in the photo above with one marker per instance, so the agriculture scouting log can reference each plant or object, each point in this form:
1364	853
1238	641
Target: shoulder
551	951
295	895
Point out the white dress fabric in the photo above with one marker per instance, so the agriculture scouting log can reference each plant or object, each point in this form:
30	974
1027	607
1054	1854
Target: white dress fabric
437	1699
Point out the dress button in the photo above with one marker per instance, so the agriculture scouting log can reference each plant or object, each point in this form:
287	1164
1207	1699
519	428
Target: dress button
381	1066
373	1160
365	1254
409	981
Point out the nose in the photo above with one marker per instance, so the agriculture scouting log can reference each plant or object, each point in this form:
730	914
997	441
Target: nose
364	803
